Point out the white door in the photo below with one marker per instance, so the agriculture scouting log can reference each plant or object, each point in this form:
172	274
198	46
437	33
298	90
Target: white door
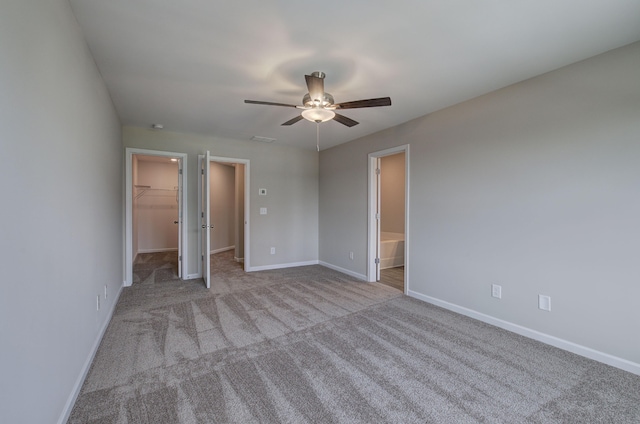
205	219
378	171
180	219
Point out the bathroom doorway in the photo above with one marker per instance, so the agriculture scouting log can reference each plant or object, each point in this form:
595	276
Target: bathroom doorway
388	212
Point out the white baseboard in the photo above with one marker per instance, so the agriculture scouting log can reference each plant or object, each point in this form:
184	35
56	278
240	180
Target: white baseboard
168	249
241	260
587	352
280	266
393	262
68	407
222	249
344	271
193	276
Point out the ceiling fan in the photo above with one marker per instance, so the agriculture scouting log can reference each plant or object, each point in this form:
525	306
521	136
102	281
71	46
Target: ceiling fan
318	105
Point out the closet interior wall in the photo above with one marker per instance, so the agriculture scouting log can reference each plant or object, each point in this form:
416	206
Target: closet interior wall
155	204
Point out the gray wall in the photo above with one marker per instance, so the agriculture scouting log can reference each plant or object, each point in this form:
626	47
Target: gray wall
534	187
289	174
62	212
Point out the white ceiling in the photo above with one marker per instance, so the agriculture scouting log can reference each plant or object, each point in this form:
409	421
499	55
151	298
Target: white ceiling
189	64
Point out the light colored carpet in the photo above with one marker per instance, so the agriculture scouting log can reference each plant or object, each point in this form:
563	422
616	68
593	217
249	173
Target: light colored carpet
310	345
149	268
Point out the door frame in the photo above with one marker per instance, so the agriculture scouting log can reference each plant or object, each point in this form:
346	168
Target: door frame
247	209
372	234
182	209
204	223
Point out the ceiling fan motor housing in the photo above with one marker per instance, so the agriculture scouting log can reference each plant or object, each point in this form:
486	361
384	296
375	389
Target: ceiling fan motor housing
327	101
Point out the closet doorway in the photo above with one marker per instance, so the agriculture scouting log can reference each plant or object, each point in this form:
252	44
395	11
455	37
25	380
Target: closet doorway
388	212
155	207
224	205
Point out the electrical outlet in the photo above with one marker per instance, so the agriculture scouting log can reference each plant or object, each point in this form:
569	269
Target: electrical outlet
544	302
273	250
351	255
496	291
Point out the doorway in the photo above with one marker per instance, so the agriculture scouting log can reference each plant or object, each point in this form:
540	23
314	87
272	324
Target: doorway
154	223
389	217
224	206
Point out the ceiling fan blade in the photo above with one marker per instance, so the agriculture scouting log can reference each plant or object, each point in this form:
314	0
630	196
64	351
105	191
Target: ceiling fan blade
382	101
344	120
294	120
315	84
257	102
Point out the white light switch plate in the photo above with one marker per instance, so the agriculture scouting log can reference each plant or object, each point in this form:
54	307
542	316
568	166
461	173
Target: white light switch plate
496	291
544	302
263	211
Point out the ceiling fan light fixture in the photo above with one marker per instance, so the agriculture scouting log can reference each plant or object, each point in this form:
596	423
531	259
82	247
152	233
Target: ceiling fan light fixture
318	115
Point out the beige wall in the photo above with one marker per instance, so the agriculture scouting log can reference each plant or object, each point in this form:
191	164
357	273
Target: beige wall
239	221
392	203
156	209
222	206
533	187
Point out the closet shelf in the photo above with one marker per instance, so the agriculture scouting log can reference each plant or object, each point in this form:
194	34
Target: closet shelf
148	191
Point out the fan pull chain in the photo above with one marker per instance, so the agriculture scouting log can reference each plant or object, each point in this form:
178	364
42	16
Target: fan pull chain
318	136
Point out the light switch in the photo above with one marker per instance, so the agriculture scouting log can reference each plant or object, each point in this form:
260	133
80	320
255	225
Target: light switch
544	302
263	211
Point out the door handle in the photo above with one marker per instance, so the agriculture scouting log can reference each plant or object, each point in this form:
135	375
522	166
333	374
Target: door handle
210	226
175	222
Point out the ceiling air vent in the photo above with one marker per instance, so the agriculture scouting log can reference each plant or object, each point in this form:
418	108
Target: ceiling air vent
263	139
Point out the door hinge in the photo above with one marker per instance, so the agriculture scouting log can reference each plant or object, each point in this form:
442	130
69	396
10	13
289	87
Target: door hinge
377	261
180	171
203	257
202	171
377	216
202	214
378	171
180	257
